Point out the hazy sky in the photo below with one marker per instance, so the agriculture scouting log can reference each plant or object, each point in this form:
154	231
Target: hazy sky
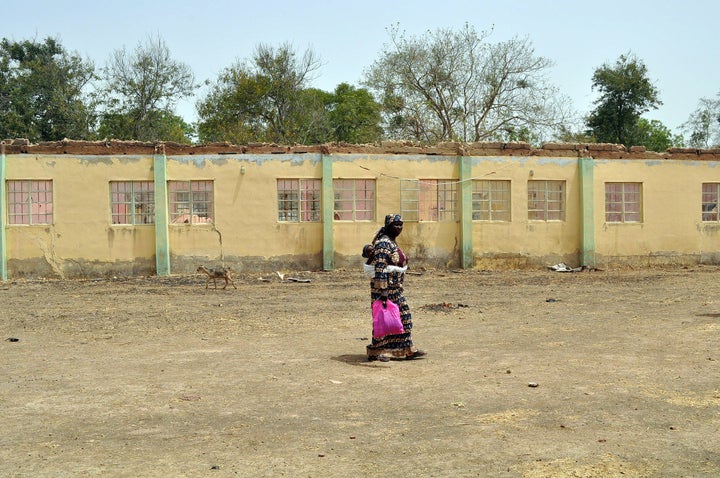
677	41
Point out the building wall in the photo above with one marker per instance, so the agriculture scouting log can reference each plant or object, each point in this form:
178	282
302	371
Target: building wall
81	240
523	242
672	230
247	235
430	243
245	232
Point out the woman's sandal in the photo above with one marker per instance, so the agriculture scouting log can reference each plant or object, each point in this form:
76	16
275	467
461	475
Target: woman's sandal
382	358
417	354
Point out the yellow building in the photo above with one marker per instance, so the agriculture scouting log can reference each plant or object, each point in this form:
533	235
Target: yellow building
74	209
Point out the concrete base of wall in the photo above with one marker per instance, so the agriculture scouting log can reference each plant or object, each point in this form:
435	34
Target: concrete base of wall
251	264
504	262
656	260
81	269
78	268
520	262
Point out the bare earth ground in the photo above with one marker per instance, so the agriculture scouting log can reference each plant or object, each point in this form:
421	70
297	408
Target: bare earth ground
154	376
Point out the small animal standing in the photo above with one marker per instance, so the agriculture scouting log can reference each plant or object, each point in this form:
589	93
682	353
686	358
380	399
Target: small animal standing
215	274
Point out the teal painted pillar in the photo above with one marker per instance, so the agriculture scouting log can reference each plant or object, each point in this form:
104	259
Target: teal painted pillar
162	235
3	215
328	207
466	237
587	207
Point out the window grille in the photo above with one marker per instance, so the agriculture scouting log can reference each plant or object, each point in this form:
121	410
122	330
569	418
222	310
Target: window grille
491	200
546	200
299	200
132	202
354	199
438	200
410	200
623	202
191	202
30	202
710	201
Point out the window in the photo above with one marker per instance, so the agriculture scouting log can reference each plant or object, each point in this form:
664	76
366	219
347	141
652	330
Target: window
491	200
191	202
410	199
546	200
299	200
30	202
354	199
438	200
623	202
710	198
132	202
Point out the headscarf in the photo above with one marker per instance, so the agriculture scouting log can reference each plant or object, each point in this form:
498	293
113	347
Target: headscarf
389	219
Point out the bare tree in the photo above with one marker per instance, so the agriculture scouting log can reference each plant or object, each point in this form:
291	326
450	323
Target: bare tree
703	126
455	85
286	75
143	88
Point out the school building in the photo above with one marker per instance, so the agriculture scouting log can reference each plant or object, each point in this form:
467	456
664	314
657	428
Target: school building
74	209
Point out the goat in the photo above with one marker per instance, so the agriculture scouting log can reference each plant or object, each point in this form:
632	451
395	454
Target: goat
215	274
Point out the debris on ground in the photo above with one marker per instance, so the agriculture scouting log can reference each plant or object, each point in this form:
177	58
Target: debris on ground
443	306
562	267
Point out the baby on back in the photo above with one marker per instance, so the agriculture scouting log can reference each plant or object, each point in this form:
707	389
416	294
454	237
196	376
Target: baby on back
369	268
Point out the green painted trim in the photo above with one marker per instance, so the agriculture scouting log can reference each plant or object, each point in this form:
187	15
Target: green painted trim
3	217
162	233
587	200
466	236
328	207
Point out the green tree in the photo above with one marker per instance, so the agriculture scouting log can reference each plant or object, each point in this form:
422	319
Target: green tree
626	93
42	91
355	116
231	109
264	100
455	85
310	123
141	91
703	125
654	135
159	125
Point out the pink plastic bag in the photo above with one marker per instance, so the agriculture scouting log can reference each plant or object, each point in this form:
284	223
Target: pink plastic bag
386	320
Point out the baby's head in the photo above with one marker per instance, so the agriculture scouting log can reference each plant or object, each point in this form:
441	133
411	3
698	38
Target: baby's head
367	251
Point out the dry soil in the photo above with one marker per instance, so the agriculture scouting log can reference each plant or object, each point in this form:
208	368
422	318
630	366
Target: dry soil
528	374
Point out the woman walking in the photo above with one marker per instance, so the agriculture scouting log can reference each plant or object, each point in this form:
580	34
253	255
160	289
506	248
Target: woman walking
389	262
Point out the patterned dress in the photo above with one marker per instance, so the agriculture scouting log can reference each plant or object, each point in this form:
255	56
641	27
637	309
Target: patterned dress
386	252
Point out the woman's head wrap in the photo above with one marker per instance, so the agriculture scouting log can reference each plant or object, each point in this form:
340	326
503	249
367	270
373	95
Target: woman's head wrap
390	218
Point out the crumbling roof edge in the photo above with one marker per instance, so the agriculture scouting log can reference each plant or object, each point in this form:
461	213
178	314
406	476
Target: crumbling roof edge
578	150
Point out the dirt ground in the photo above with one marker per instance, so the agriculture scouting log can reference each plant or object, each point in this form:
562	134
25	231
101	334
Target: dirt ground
159	377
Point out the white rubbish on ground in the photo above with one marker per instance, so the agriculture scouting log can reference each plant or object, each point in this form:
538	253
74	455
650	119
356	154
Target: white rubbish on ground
562	267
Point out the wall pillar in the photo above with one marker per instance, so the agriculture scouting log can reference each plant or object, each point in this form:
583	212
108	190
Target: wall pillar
162	233
587	207
328	207
466	224
3	215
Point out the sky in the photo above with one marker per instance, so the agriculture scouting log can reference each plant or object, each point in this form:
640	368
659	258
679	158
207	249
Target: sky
677	41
